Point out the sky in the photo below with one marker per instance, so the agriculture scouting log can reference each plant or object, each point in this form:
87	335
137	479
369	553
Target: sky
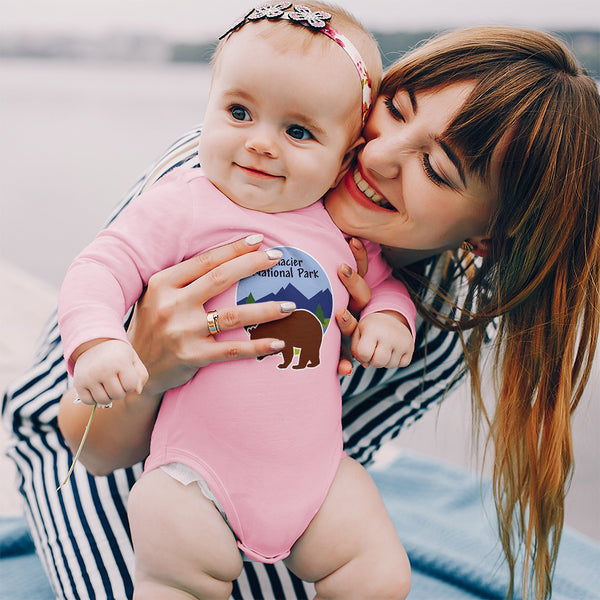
204	20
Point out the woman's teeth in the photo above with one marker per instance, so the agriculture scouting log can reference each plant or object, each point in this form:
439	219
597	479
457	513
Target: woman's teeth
369	192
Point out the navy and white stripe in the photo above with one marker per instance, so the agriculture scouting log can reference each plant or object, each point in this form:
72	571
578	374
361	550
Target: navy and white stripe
81	533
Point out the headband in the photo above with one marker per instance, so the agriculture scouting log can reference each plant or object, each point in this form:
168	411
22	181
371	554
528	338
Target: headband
315	21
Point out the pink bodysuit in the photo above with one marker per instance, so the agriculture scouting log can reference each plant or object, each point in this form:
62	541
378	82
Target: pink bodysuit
264	434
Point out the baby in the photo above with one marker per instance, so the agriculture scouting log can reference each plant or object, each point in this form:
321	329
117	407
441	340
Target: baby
248	454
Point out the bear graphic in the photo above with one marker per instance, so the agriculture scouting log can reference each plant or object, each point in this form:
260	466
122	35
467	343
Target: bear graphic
300	330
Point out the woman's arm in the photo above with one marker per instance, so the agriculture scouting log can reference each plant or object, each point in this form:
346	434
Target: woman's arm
169	333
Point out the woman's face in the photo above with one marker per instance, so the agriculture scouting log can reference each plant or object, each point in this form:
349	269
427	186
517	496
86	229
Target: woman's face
409	188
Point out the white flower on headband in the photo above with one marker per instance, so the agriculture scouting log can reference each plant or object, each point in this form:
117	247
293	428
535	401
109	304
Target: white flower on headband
271	11
314	19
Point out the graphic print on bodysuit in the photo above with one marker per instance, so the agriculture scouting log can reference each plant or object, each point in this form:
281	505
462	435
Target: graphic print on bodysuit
298	278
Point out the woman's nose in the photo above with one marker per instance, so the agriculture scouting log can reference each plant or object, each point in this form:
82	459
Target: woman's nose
262	142
382	158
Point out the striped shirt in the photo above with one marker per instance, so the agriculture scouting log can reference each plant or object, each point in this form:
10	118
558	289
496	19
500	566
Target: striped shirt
81	533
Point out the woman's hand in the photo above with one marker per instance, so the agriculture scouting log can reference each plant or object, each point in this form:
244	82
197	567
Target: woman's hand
169	331
360	294
169	327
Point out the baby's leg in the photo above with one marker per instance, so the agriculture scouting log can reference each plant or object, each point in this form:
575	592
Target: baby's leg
183	547
350	549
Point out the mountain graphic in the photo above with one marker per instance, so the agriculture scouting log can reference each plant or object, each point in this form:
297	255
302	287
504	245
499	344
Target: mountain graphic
292	294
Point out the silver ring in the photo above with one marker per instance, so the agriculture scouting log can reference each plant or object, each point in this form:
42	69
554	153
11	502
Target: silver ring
212	318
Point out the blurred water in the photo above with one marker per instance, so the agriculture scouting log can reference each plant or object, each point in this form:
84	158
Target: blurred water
73	137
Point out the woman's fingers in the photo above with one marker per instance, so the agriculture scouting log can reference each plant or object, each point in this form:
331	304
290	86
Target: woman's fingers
360	294
360	256
227	274
251	314
359	291
347	324
235	350
203	350
189	270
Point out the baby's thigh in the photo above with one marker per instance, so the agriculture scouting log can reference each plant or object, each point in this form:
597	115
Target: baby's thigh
179	537
351	548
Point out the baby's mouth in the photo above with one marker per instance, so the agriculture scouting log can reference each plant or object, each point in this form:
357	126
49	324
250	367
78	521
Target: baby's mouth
369	192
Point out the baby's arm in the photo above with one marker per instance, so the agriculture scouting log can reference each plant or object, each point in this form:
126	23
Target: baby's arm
107	370
383	340
108	277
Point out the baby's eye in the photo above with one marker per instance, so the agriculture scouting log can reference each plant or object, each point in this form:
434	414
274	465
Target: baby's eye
239	113
299	133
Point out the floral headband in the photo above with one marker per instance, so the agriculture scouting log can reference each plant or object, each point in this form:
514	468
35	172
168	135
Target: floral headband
316	21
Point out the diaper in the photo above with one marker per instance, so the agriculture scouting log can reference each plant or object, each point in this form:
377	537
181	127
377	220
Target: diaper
186	475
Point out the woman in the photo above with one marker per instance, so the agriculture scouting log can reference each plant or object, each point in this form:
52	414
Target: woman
513	168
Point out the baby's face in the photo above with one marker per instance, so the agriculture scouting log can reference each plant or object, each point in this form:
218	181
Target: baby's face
282	116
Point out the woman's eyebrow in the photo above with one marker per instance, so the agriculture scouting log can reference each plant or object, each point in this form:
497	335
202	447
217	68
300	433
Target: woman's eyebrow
453	158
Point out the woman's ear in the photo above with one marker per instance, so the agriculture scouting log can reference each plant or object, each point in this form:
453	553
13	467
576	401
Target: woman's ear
479	245
347	160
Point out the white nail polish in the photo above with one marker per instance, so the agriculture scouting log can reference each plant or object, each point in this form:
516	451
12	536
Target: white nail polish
287	307
77	400
255	238
277	345
274	254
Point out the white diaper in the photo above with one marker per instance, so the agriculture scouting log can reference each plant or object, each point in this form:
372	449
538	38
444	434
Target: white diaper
187	475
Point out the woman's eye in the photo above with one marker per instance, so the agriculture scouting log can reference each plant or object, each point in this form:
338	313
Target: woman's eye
299	133
430	172
239	113
393	109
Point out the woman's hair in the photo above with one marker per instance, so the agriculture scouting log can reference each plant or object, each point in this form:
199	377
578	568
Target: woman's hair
541	276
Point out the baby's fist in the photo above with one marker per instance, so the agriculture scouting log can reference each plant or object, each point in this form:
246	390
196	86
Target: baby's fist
108	370
383	340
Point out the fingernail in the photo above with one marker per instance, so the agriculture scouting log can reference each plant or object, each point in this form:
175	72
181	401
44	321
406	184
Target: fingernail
356	243
345	316
255	238
274	254
77	400
277	345
346	270
287	307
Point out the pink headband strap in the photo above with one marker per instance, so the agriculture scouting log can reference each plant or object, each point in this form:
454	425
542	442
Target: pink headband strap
316	21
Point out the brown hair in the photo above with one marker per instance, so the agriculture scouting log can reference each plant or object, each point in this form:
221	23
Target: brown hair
541	276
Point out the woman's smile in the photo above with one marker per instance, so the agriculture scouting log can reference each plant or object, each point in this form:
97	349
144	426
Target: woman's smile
363	185
364	194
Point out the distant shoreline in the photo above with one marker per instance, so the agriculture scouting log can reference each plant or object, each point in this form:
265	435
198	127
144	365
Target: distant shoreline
130	47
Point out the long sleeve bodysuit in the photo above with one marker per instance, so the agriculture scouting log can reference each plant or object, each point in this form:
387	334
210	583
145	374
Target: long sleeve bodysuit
264	434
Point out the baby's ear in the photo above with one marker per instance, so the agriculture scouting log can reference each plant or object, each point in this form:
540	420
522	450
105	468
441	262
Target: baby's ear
348	158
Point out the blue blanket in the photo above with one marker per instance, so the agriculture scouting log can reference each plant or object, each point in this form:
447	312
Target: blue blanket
445	518
21	573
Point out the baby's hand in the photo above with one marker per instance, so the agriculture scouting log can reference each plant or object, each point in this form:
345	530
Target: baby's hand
383	339
108	370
